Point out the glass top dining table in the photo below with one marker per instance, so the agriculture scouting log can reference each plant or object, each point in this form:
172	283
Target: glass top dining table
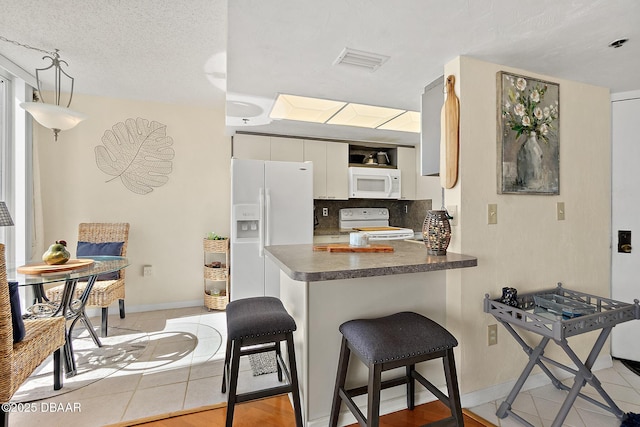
101	265
72	304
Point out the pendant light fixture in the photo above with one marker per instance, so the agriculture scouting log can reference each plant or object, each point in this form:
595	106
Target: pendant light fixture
52	115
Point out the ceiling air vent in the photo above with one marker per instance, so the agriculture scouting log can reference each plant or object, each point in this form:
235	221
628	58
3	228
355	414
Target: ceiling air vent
358	58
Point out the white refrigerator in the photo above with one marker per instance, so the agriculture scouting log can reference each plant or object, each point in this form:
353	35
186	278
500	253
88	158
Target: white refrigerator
271	204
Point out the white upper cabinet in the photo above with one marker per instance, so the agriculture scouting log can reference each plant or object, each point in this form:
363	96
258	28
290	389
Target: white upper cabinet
254	147
337	170
287	149
407	164
259	147
330	168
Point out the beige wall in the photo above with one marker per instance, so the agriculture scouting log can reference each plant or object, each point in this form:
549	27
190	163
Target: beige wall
528	249
168	224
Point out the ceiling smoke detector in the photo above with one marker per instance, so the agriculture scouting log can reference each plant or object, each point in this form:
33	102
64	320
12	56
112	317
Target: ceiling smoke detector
617	43
359	58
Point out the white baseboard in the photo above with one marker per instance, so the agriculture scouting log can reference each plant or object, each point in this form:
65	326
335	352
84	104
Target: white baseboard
113	309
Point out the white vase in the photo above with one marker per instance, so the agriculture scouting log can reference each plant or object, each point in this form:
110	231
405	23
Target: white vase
529	164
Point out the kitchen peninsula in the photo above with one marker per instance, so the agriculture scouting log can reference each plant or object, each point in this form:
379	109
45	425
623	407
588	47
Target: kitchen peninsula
321	290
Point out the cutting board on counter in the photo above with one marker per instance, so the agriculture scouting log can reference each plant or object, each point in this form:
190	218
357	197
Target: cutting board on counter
41	267
345	247
375	228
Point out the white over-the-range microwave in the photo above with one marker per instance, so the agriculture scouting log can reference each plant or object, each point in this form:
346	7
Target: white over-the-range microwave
372	183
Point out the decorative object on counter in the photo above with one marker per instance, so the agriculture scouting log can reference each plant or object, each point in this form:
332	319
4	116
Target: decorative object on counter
138	152
509	296
449	138
57	253
528	139
436	232
359	239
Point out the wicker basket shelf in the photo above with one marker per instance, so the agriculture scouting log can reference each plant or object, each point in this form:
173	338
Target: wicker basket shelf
215	302
216	246
213	274
216	273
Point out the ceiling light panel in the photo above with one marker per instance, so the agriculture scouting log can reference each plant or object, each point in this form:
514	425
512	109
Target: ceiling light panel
292	107
406	122
361	115
359	58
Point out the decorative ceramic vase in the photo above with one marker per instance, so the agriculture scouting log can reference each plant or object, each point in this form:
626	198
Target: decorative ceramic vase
529	164
509	296
436	232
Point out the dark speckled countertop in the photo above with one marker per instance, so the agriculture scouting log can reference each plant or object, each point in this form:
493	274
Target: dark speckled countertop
302	263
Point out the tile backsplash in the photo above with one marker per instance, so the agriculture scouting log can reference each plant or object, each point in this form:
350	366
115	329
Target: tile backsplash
402	213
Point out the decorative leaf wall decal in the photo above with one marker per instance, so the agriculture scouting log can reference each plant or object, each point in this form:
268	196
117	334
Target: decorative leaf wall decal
138	152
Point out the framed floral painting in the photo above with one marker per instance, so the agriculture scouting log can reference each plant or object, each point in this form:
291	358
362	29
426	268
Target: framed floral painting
528	135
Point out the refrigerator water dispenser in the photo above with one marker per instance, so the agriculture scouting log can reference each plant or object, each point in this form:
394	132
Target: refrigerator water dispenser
247	221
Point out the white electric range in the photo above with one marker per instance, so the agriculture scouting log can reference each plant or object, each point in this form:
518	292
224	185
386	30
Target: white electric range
373	221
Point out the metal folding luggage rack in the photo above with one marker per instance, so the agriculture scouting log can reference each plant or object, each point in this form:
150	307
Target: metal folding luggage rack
527	315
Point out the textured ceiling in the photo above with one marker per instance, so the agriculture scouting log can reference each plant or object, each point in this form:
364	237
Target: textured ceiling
204	52
162	50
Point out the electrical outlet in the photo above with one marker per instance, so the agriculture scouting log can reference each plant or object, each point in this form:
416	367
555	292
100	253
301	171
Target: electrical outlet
453	211
492	214
325	211
492	336
147	271
560	211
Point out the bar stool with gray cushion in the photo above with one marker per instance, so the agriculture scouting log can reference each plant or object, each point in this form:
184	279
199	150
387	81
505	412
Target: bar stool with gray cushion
401	339
262	323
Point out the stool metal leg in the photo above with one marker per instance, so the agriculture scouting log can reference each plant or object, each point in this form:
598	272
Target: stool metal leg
373	395
411	387
341	376
279	356
233	382
295	388
227	358
452	387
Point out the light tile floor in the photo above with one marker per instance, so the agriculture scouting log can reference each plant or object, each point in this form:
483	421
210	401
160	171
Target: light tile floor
182	369
539	406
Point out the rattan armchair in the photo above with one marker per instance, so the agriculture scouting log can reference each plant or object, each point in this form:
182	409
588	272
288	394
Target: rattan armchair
19	360
104	292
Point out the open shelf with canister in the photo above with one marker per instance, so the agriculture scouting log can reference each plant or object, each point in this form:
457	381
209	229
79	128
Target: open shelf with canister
216	273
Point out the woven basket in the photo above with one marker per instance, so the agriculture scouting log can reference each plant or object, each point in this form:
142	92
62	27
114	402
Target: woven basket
216	302
216	273
216	246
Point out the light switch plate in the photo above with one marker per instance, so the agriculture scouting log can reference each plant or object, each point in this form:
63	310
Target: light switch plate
560	211
492	334
492	214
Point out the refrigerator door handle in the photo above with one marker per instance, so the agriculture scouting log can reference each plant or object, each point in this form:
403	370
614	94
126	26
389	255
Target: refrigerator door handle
261	224
267	214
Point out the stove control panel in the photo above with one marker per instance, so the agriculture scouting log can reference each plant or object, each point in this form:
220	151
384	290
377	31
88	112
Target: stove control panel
364	214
